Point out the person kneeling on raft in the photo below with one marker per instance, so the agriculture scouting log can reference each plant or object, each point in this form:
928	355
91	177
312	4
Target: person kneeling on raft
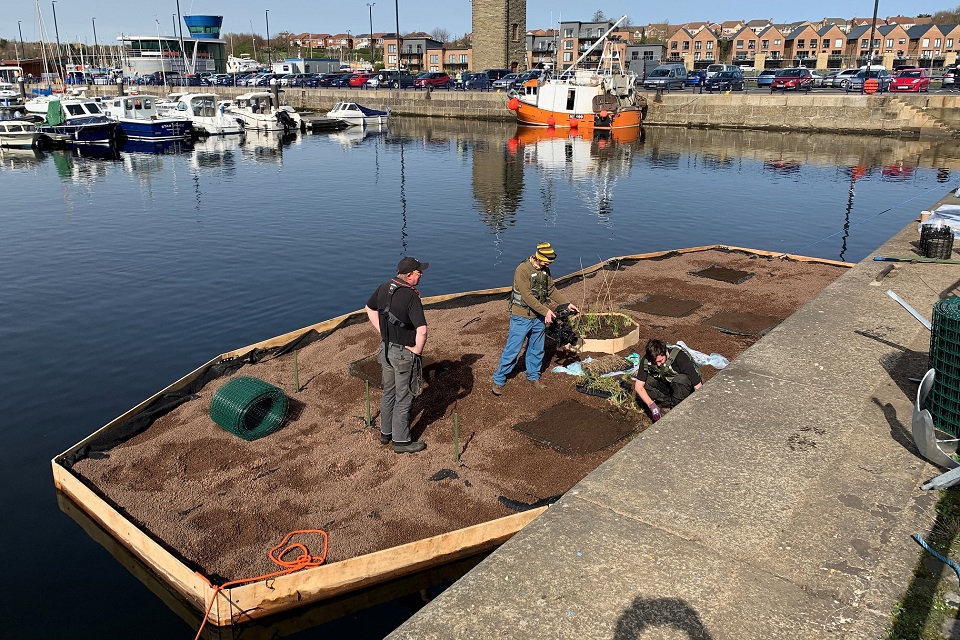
665	377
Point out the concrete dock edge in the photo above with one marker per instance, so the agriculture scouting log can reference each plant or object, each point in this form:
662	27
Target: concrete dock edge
776	502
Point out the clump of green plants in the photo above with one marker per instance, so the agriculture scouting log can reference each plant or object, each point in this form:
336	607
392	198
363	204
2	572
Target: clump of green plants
618	389
591	322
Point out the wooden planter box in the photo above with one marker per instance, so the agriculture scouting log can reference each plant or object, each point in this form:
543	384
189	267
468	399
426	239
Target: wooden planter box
611	345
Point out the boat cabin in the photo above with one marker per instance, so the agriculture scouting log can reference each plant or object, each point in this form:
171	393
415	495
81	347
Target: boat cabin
131	107
259	102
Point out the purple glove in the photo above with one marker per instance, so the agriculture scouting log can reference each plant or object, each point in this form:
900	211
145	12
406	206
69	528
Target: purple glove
655	412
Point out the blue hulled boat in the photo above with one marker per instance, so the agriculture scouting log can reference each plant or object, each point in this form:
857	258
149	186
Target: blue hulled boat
138	119
78	121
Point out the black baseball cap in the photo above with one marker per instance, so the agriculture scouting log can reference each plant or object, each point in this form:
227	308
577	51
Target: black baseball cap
409	265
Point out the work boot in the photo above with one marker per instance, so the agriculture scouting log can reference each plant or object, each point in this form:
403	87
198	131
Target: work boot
537	384
497	389
385	438
409	447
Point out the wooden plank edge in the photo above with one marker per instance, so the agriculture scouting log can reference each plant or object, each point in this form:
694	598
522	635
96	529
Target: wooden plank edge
268	597
166	566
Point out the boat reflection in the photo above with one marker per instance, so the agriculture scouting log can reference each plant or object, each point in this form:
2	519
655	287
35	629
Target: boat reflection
19	159
591	163
217	153
154	146
267	146
353	136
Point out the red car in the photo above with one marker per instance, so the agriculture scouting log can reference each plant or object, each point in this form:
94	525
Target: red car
911	80
795	78
433	79
357	80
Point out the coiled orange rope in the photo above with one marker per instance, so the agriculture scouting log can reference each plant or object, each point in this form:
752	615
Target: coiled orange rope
303	561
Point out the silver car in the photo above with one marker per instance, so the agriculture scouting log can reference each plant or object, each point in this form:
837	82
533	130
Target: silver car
841	79
882	76
506	82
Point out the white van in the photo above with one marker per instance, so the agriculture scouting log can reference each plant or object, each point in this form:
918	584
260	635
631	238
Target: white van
714	69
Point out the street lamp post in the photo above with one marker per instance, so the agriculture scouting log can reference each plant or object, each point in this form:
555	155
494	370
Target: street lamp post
269	50
370	7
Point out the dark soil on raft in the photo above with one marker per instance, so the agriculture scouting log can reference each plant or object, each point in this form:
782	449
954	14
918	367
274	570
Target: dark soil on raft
220	502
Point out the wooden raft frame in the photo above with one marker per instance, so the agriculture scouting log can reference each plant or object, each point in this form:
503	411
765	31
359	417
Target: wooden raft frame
260	599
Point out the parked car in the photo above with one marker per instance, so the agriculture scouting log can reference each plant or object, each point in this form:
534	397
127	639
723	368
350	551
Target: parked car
765	77
817	78
529	74
827	80
949	77
911	80
342	80
666	76
843	77
795	78
476	81
357	80
394	79
881	75
433	79
725	81
495	74
507	82
714	69
696	77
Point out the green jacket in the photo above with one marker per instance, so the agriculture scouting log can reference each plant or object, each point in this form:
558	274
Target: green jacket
532	291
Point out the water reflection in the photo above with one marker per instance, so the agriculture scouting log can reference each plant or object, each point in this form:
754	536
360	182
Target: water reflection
19	159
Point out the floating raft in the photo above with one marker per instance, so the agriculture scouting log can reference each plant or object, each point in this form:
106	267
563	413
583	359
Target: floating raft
241	604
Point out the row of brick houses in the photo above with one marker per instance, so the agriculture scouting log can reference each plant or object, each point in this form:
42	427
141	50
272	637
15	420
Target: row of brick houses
831	43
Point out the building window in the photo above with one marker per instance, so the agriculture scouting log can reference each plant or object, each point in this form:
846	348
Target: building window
776	43
739	44
568	57
926	42
673	45
434	58
864	43
686	45
463	58
936	42
515	32
568	45
568	33
648	55
698	45
696	55
392	59
902	41
949	43
709	45
889	43
434	67
838	43
764	44
813	44
634	55
392	48
453	58
801	44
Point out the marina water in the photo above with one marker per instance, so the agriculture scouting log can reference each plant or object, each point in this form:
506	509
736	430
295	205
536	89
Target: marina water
126	271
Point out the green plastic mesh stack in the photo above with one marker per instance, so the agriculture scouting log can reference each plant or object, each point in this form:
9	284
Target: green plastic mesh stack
944	399
249	407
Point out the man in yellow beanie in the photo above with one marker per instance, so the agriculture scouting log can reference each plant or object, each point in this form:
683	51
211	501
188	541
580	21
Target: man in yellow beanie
532	291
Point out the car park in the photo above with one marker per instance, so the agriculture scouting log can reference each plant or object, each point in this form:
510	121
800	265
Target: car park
911	80
476	81
881	75
666	76
696	78
843	77
765	77
725	81
792	78
949	78
433	79
714	69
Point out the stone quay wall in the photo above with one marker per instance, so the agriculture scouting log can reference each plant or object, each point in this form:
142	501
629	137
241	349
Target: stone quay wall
922	115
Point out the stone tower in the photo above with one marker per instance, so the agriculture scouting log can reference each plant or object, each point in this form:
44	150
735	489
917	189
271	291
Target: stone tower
499	34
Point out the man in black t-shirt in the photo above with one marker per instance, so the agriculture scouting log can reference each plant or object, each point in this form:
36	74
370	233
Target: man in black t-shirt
396	313
666	376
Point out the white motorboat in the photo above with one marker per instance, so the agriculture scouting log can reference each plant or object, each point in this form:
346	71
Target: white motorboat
165	105
139	120
259	110
357	115
209	116
18	134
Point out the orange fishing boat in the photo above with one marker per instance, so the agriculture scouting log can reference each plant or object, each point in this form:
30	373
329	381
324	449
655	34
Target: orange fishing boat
601	98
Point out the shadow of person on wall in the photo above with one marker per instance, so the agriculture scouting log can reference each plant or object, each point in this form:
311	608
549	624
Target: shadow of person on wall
644	614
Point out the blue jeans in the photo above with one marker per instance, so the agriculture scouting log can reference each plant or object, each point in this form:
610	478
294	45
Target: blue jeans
520	329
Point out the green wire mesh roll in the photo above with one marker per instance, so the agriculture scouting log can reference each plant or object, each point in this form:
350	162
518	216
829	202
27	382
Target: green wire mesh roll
944	399
249	407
